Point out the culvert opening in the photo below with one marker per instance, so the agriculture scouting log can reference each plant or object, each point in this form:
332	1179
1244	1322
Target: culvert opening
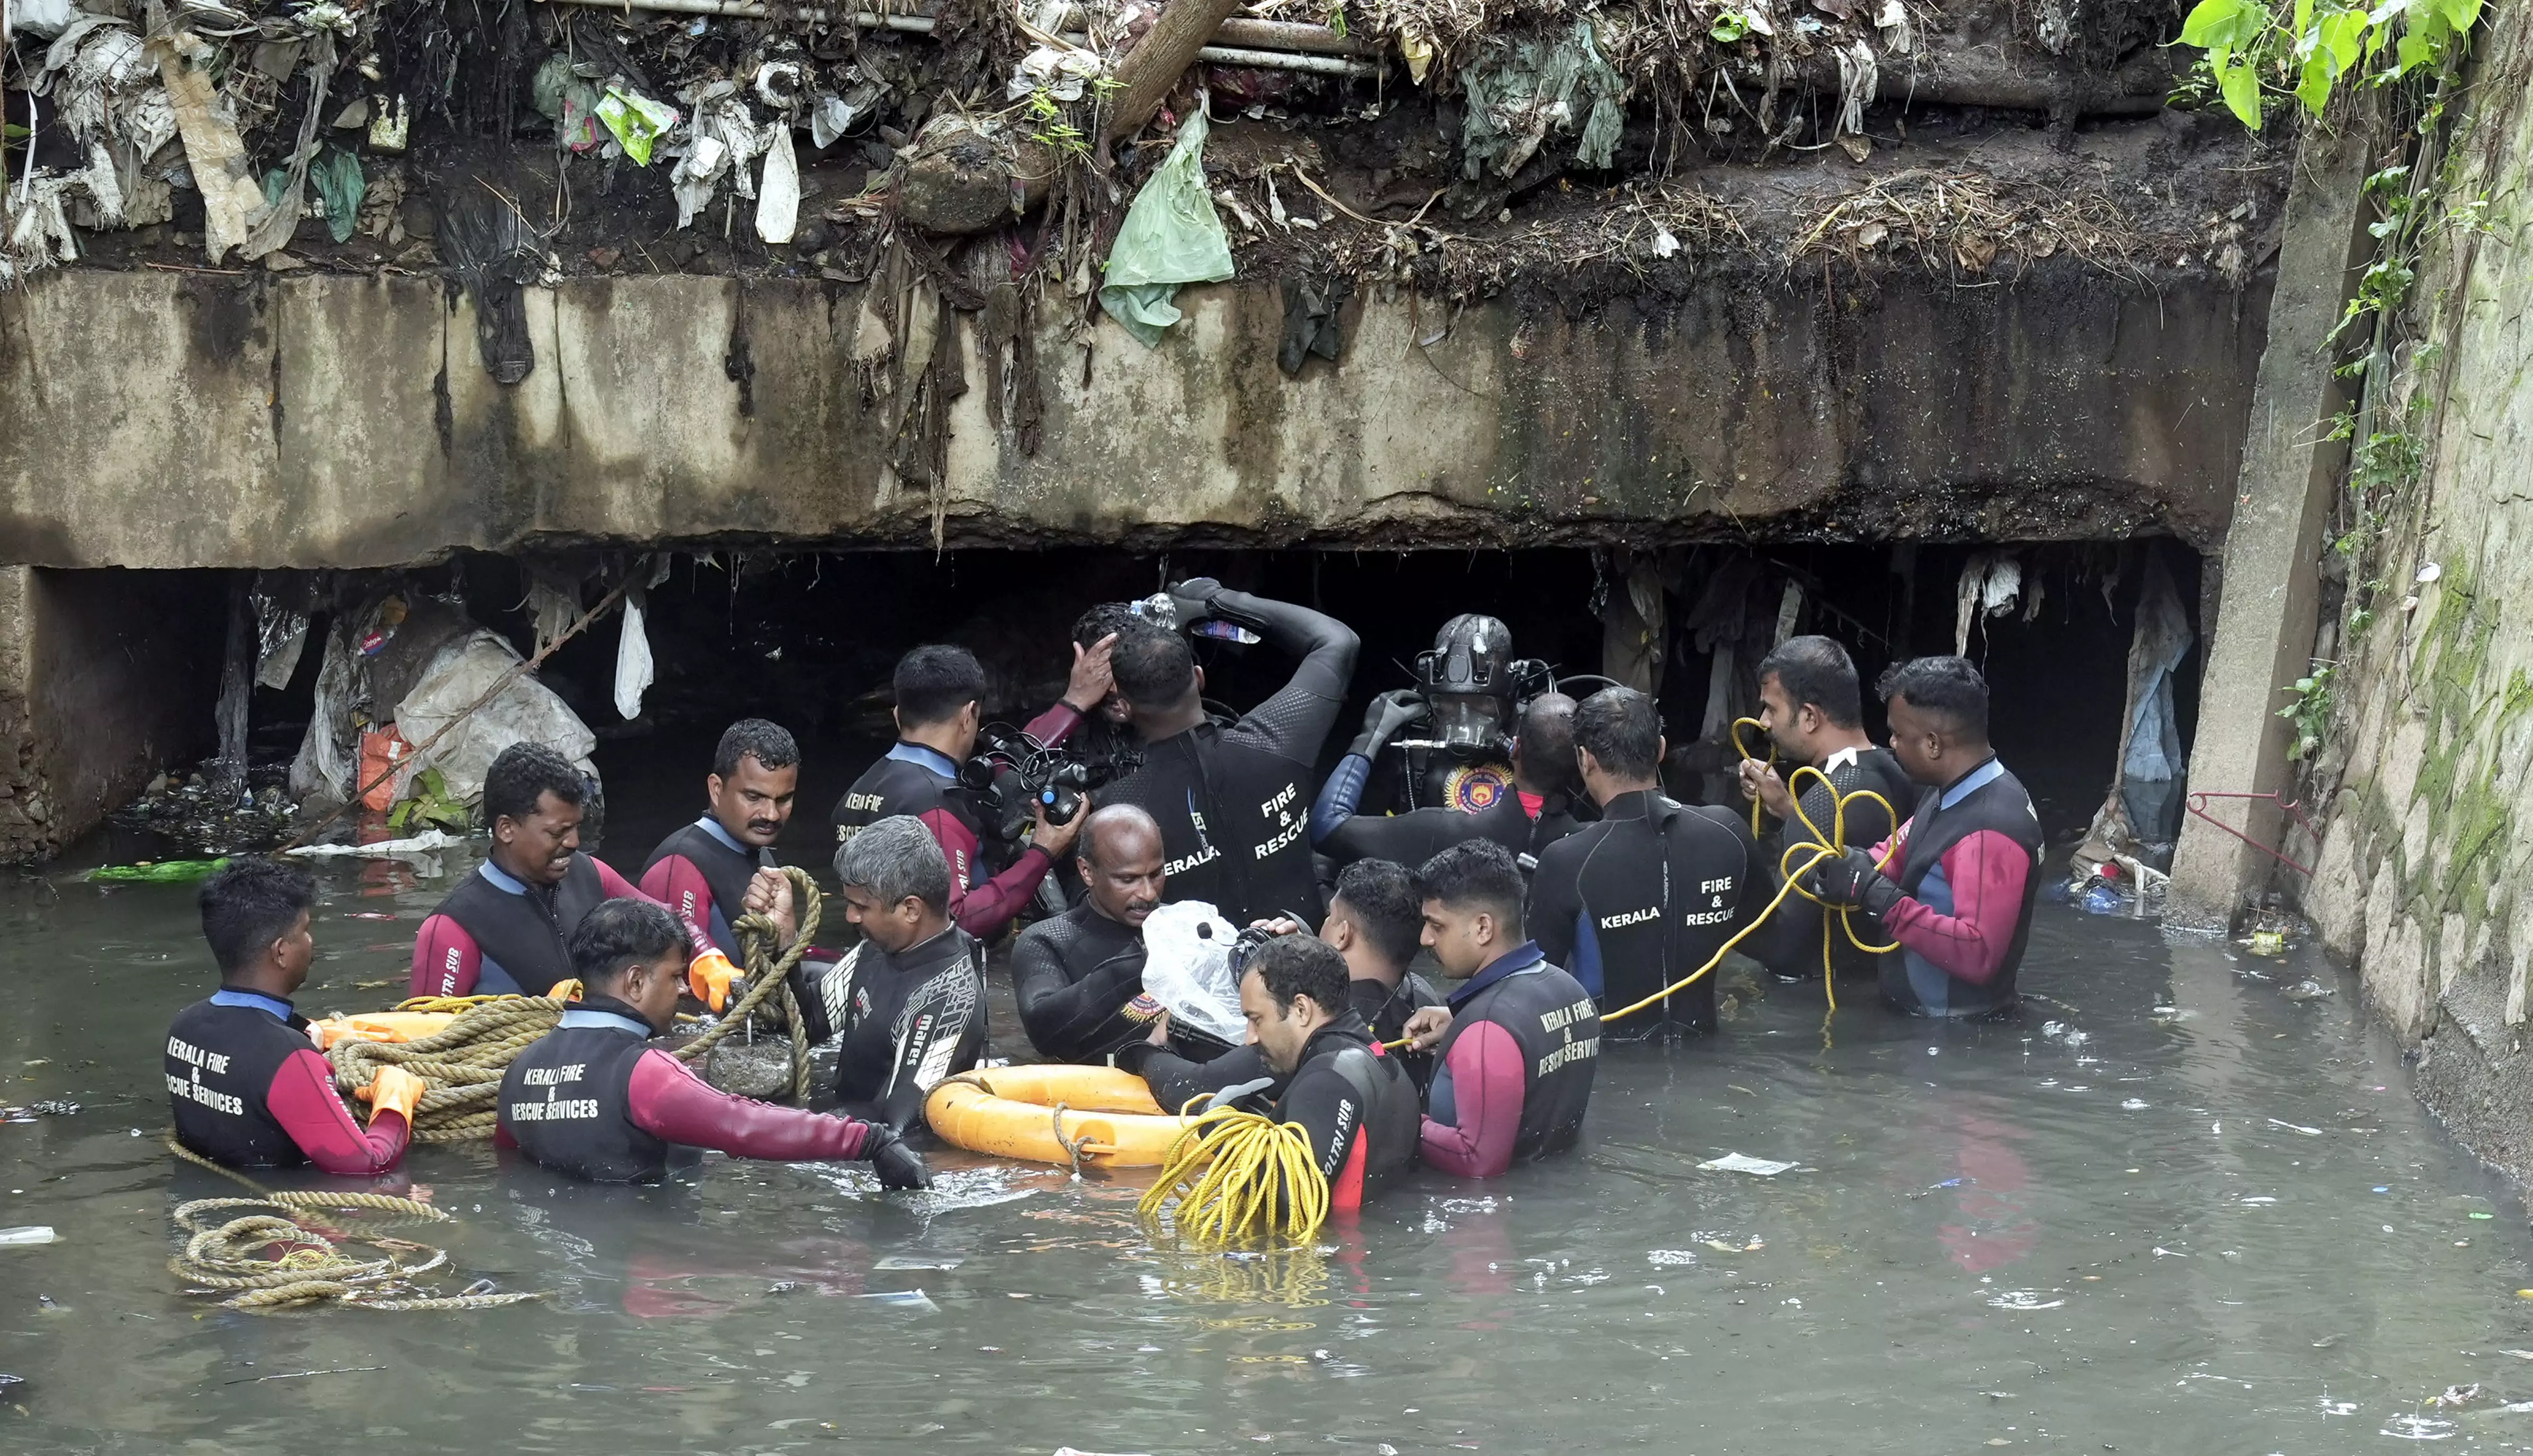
808	639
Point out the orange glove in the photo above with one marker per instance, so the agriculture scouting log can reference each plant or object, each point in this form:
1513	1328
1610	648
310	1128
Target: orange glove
394	1090
709	977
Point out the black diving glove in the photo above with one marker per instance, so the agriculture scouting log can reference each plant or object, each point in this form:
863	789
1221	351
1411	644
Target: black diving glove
1194	599
1852	880
1390	712
898	1165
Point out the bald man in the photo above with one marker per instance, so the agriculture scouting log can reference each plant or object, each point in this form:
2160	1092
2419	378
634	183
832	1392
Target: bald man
1079	977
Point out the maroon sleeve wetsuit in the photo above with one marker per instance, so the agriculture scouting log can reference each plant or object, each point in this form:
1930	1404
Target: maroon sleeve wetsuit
1487	1085
914	779
1516	1068
985	910
667	1101
592	1098
449	961
1987	873
248	1090
302	1099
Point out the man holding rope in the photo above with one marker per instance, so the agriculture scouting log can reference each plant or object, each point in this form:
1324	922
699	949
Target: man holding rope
1812	706
595	1099
249	1088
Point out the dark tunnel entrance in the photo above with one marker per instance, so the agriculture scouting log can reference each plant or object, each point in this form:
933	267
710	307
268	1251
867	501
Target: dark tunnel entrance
808	639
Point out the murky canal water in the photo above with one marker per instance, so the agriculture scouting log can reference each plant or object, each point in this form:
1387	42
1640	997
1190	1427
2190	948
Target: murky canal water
2173	1209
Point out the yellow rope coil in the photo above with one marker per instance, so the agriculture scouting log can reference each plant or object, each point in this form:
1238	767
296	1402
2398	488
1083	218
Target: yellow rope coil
1823	848
1743	750
1239	1175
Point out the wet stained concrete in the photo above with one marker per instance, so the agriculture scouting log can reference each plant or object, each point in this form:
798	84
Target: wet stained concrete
335	421
2169	1207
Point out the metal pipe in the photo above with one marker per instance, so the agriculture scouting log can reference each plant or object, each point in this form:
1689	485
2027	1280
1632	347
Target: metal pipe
1276	60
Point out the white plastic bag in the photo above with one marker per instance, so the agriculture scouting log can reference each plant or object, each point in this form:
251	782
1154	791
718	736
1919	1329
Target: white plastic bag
633	662
1187	968
525	711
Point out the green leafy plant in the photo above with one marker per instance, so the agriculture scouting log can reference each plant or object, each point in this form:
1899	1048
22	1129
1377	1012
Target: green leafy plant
430	804
1729	25
2310	713
2254	50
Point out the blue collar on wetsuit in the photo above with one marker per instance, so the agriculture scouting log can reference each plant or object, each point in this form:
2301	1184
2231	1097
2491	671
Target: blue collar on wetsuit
272	1006
925	756
607	1013
1524	956
1971	783
711	826
501	879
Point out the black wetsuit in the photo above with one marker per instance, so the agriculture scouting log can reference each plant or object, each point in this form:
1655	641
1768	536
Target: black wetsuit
1639	900
1175	1079
1356	1102
700	872
1412	837
1232	802
1790	943
1078	979
906	1021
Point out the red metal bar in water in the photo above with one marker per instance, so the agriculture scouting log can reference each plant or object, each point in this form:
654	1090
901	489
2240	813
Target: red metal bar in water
2198	805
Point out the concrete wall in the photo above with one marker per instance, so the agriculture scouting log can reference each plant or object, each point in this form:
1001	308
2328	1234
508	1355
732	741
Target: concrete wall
104	677
169	420
2423	860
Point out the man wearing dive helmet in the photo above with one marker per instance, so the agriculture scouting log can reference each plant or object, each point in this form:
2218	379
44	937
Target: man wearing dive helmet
1471	687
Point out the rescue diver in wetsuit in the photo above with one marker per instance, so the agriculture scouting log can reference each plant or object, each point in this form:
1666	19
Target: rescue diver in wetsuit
1812	706
1643	898
1353	1100
595	1099
1231	801
1079	976
714	871
1958	893
1471	687
1536	813
249	1088
940	706
1375	922
908	1000
505	928
1520	1039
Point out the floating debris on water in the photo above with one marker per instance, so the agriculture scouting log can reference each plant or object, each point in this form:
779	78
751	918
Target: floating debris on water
2023	1299
1673	1258
1734	1162
905	1299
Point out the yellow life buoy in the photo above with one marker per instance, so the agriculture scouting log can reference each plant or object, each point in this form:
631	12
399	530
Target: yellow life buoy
1050	1114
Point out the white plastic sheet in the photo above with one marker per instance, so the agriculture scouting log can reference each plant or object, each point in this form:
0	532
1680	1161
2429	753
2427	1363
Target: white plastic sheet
1187	968
633	662
525	711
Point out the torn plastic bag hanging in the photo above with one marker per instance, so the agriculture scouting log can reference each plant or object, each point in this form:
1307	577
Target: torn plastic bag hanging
1170	237
497	254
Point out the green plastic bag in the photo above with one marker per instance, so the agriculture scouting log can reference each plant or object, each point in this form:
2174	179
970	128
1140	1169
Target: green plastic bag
339	181
157	872
637	121
1170	237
